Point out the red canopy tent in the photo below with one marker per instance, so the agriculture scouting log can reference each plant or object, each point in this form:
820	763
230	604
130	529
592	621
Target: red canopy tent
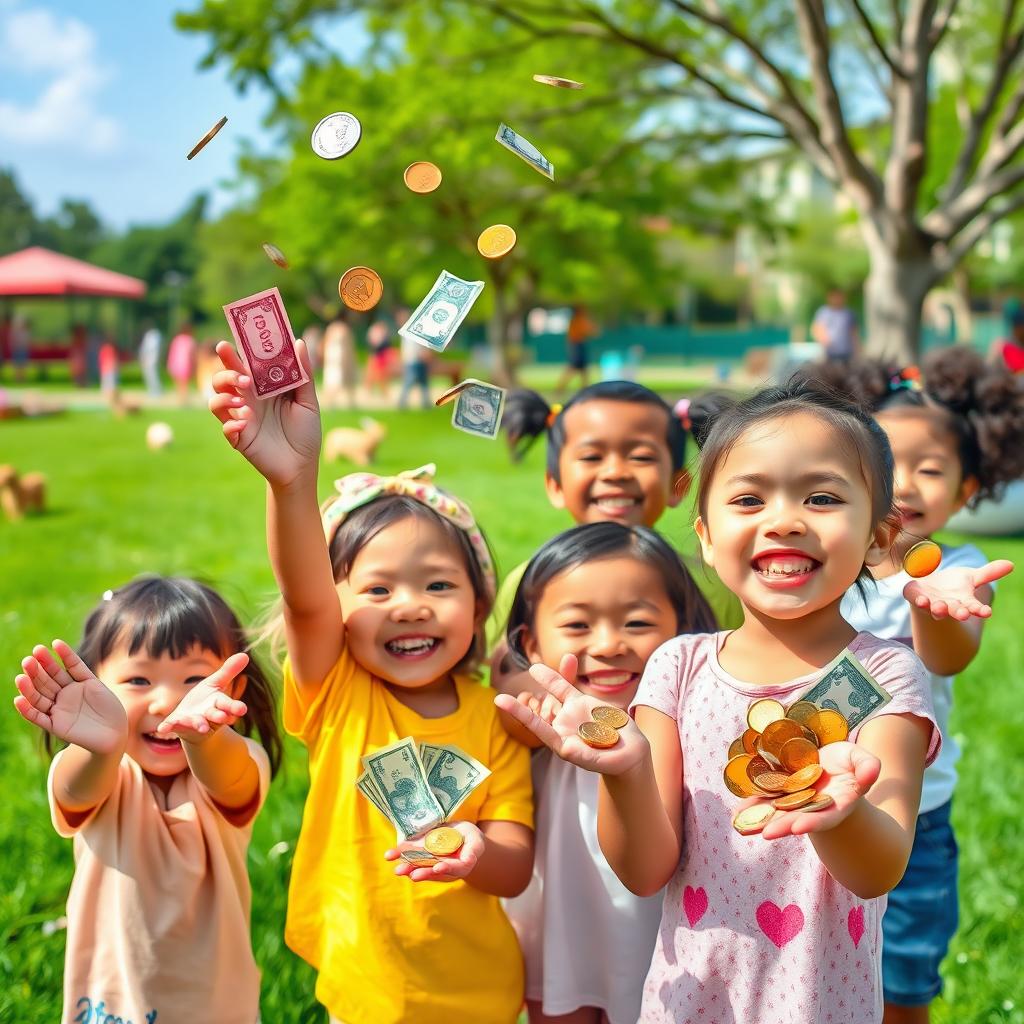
40	272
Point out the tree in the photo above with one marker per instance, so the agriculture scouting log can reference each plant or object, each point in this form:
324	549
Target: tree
75	230
18	224
809	73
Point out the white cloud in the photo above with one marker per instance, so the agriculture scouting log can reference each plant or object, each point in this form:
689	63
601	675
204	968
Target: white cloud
65	112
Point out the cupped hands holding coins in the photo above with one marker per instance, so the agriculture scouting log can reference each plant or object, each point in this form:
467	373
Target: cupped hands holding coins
449	867
562	713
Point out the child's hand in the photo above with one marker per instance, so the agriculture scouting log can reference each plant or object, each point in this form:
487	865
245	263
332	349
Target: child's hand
951	592
545	708
207	706
449	869
69	701
850	771
280	436
563	711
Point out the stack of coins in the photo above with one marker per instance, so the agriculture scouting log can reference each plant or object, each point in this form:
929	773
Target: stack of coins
777	757
603	731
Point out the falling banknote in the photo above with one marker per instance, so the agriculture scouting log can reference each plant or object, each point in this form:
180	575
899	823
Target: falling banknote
525	150
439	315
478	407
846	686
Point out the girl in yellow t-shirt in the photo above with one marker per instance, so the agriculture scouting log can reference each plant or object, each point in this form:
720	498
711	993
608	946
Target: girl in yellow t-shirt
384	601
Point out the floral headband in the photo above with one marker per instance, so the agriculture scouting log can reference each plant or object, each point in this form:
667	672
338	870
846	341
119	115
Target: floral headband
908	379
358	489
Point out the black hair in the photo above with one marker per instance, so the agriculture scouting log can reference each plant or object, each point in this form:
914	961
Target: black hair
856	429
360	526
592	542
170	615
982	405
527	415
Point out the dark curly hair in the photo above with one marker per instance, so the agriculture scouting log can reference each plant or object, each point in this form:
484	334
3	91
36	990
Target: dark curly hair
982	405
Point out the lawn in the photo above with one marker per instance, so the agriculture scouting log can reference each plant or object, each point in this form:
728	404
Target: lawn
117	509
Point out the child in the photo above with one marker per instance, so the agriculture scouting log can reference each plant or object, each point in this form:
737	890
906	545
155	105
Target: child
957	435
616	452
795	497
608	595
387	660
159	792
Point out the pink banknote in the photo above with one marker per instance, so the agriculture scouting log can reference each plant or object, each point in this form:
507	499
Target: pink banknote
264	336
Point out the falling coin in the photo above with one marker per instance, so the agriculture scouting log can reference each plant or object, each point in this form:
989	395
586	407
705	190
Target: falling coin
614	718
360	288
275	255
422	177
594	734
444	841
923	558
496	241
558	83
336	135
752	819
201	144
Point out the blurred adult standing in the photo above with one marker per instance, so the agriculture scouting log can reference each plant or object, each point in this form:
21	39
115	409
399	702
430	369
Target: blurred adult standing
415	366
834	328
108	364
149	359
581	330
181	361
1009	350
313	336
378	365
21	335
76	355
339	360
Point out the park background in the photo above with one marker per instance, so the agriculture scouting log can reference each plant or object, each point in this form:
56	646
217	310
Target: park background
692	211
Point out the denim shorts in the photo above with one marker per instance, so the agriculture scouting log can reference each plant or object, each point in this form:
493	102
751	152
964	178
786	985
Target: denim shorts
922	914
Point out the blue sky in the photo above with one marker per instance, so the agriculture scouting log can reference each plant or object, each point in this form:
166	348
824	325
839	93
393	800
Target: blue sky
101	101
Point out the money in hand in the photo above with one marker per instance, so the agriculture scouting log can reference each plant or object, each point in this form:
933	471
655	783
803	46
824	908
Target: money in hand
846	686
398	780
453	775
478	407
525	150
439	315
266	343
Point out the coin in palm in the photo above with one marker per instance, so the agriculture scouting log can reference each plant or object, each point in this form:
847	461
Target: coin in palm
444	841
614	718
594	734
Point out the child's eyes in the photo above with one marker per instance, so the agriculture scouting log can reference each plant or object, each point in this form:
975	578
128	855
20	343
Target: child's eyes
440	585
137	681
377	591
577	626
822	500
194	679
931	472
746	501
639	624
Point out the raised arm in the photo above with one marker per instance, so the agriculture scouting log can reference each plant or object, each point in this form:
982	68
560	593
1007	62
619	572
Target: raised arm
280	436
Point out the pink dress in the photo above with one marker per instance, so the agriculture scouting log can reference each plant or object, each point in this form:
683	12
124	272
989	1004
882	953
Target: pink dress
181	357
753	930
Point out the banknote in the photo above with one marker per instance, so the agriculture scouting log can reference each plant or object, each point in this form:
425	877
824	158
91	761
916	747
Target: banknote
419	858
846	686
525	150
439	315
365	786
397	774
478	409
264	337
453	775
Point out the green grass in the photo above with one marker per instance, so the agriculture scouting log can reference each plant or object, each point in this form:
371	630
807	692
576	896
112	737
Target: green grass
117	510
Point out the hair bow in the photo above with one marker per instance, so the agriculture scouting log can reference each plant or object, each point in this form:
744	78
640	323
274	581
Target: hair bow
682	411
908	379
358	489
553	414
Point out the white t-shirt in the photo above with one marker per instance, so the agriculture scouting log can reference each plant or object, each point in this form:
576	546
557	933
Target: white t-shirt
586	939
885	612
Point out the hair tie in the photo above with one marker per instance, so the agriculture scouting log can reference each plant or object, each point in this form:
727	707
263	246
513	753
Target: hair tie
108	595
682	412
553	414
908	379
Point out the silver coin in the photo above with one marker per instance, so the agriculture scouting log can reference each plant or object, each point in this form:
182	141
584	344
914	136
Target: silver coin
336	135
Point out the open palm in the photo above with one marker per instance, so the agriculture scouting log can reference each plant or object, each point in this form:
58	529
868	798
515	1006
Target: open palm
68	701
571	709
951	592
280	436
208	705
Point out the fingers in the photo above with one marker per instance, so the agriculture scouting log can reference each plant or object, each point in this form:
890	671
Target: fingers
226	406
549	708
553	682
530	719
866	768
305	394
993	571
32	714
568	667
77	669
221	679
230	358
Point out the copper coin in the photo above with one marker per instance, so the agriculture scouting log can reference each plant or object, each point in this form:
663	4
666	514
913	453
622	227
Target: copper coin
558	83
803	779
594	734
822	803
614	718
736	778
771	782
749	739
496	241
769	757
923	558
422	177
201	144
797	753
791	801
736	748
444	841
777	733
275	255
360	288
757	766
752	819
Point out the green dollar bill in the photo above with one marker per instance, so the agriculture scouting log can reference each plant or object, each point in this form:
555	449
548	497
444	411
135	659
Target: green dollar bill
397	774
846	686
453	775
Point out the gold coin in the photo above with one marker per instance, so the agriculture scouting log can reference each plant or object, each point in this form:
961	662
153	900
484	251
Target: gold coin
763	712
752	819
828	726
443	841
594	734
558	83
771	782
757	766
798	753
496	241
791	801
923	558
736	778
201	144
422	177
777	733
823	802
769	757
750	738
801	711
275	255
360	288
614	718
736	748
803	779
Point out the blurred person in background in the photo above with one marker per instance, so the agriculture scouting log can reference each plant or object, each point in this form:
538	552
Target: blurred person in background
181	361
339	361
834	328
149	359
581	329
415	366
378	366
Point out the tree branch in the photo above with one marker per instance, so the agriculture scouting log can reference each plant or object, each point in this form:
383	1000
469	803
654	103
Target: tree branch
941	23
876	39
976	231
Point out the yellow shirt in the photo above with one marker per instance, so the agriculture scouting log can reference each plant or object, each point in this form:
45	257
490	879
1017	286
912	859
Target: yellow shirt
387	949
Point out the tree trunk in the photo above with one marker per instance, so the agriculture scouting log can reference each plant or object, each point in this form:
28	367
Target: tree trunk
504	371
893	300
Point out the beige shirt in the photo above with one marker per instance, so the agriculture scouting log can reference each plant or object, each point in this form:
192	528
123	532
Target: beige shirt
158	913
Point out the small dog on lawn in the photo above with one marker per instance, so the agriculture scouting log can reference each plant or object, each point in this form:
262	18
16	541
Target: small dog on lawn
358	446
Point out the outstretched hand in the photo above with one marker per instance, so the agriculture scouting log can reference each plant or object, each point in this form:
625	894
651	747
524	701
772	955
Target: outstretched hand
68	701
280	436
448	869
951	592
207	706
850	771
563	712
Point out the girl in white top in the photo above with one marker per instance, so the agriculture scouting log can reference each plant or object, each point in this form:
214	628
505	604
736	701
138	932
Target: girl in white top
159	791
957	434
598	599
